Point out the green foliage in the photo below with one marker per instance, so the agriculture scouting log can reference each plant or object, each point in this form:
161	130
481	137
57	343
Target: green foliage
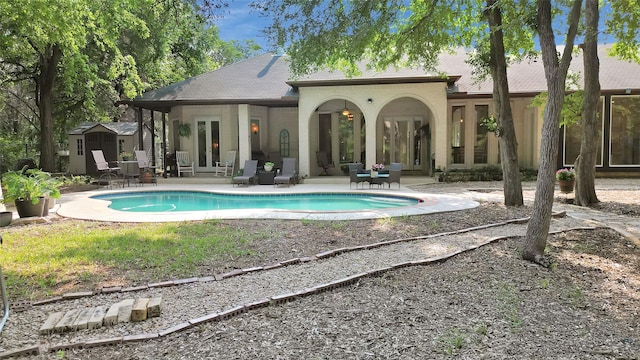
382	33
452	341
577	297
482	329
75	180
30	185
573	100
510	304
489	123
99	52
624	24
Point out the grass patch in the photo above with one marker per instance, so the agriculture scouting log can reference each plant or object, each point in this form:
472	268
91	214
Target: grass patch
42	261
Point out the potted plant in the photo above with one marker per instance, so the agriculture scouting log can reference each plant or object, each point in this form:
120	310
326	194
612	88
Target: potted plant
184	129
5	216
375	168
268	166
126	156
28	190
566	179
147	176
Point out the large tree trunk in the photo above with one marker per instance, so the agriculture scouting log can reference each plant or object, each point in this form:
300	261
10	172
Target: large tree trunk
555	71
585	192
49	60
512	186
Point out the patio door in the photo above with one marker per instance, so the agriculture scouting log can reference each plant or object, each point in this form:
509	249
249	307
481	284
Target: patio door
402	141
207	144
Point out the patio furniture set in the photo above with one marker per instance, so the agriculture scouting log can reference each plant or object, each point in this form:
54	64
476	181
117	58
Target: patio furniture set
123	172
358	174
251	174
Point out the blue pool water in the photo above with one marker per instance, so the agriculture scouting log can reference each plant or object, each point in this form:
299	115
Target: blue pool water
163	201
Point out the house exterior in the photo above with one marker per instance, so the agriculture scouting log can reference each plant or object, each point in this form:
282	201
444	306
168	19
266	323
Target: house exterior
423	120
112	138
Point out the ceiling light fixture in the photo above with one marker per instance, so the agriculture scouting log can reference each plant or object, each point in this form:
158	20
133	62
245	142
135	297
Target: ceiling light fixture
345	112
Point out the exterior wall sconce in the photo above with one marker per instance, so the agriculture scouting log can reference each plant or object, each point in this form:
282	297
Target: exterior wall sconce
254	128
370	101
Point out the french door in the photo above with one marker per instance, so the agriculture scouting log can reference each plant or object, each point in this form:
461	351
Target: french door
402	141
207	143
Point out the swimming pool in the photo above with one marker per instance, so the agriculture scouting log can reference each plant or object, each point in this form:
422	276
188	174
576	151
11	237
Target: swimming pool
88	205
178	201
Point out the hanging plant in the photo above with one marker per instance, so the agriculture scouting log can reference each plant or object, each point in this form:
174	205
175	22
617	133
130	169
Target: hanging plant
184	129
491	124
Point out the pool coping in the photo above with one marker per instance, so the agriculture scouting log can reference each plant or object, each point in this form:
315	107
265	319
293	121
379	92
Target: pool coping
82	206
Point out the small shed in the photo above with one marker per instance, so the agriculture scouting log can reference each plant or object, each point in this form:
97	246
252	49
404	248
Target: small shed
112	138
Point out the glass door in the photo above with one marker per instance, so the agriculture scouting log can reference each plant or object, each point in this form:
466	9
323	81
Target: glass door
208	144
402	142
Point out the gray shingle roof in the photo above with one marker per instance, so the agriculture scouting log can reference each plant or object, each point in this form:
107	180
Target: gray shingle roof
528	77
255	80
266	80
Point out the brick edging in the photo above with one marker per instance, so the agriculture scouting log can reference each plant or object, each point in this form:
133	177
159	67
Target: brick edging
276	299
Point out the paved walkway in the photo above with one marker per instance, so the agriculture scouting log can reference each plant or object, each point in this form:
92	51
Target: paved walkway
626	225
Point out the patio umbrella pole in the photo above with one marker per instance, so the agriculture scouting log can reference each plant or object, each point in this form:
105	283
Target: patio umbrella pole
5	302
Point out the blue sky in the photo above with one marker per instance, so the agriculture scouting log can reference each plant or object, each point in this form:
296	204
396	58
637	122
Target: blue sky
241	23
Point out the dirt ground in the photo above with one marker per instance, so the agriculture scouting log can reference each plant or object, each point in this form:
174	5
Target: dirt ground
484	304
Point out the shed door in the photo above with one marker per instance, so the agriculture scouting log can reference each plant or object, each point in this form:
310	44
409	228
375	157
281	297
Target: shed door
105	141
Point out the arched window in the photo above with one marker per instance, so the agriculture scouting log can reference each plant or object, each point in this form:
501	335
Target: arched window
284	143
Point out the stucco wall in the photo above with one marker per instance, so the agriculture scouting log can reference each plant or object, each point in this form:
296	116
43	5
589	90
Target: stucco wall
432	95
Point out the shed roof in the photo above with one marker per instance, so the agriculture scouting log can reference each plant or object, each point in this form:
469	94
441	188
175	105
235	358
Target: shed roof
118	128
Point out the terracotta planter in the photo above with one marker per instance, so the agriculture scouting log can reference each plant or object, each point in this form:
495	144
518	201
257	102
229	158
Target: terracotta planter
146	178
566	186
5	218
26	208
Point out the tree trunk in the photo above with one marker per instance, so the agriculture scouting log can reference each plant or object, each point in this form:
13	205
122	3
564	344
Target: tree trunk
49	60
585	192
512	186
555	71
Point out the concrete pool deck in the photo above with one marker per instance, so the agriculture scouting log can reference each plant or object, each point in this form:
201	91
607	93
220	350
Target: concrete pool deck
81	206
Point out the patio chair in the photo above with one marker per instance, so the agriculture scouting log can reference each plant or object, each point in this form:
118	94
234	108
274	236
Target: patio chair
184	164
357	174
145	167
110	173
228	164
248	173
323	162
288	174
